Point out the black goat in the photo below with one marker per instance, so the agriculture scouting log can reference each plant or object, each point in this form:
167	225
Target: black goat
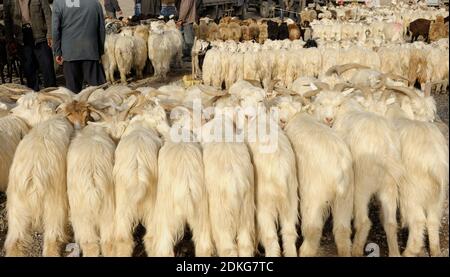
310	43
272	30
283	31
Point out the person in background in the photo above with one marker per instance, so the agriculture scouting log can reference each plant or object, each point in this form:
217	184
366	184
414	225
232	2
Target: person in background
168	8
112	9
186	19
137	7
78	42
150	7
28	22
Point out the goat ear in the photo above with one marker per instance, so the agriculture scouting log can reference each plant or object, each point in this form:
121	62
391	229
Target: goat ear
60	108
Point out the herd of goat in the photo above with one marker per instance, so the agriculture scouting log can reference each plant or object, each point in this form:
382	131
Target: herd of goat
106	159
348	124
282	49
413	63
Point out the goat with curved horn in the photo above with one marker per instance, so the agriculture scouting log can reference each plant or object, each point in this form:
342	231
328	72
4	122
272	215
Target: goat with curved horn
255	83
322	85
385	76
339	69
341	86
83	96
405	90
101	113
311	93
212	91
48	96
49	89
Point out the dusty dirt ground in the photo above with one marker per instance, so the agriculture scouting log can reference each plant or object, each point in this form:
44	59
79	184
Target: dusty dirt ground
186	247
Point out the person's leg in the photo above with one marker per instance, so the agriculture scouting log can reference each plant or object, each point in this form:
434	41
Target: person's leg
167	11
188	35
137	8
74	75
44	58
28	60
93	73
111	14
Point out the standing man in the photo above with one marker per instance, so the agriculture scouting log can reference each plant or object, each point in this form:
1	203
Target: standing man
168	8
150	7
79	38
28	22
137	7
186	19
112	7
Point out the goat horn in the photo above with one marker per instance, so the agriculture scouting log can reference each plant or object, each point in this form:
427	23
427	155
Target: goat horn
155	93
303	100
255	83
211	91
339	69
139	106
385	95
13	97
14	88
83	96
366	91
271	86
311	93
122	116
285	91
55	97
321	85
49	89
102	114
395	77
168	105
411	93
341	86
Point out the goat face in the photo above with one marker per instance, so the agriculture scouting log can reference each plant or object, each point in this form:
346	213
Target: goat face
326	106
420	108
76	112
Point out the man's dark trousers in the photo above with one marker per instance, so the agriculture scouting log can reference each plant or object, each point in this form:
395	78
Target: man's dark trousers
35	56
78	72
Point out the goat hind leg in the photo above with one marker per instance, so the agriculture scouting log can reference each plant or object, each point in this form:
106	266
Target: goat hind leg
312	225
107	231
201	229
362	222
19	222
268	230
433	223
388	199
288	222
55	223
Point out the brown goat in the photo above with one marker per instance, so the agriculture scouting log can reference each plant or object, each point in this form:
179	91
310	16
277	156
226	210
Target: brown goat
254	31
294	32
225	20
235	31
213	32
438	29
419	27
246	36
224	30
263	33
203	30
417	69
